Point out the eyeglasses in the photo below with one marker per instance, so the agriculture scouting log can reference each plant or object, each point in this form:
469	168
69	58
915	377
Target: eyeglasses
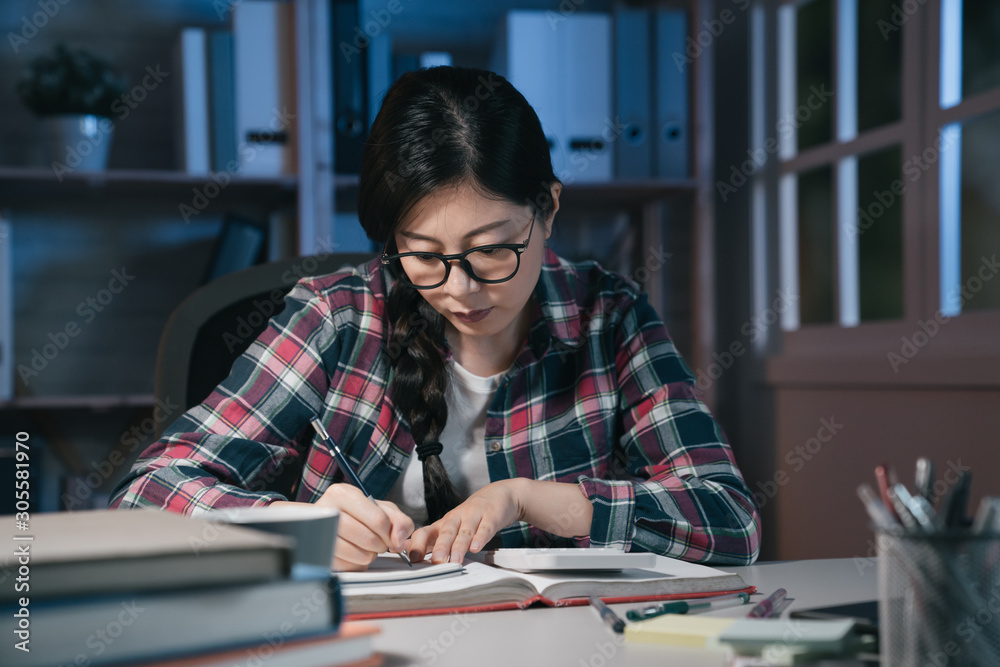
490	264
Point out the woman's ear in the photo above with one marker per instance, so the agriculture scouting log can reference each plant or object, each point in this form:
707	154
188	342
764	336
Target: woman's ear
554	190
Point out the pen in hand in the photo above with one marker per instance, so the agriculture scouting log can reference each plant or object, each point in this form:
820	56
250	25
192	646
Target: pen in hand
348	470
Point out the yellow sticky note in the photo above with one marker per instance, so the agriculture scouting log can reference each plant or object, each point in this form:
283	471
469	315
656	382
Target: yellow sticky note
679	630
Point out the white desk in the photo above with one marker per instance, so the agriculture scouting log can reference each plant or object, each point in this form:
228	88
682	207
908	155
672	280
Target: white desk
575	636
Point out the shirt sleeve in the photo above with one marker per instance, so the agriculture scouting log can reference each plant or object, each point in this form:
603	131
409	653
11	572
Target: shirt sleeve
682	494
241	446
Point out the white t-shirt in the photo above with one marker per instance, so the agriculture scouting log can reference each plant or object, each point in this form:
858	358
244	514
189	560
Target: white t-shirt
464	456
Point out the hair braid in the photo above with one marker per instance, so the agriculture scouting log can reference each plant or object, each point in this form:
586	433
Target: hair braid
419	387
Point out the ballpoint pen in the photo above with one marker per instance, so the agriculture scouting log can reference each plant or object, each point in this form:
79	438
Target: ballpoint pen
765	608
682	607
348	470
612	619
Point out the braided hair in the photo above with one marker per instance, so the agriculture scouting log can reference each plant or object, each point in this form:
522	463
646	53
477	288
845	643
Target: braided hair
438	128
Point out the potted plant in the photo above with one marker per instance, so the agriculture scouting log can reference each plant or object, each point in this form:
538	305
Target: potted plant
72	92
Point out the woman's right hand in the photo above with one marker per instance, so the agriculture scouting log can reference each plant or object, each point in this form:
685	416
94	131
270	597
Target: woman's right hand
365	529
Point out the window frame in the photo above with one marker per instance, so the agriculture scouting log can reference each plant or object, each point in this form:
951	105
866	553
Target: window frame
964	352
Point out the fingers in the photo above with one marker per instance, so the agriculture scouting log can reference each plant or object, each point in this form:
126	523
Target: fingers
451	538
401	526
366	528
417	545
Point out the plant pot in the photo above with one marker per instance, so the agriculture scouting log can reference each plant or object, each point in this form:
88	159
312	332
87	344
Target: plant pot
77	142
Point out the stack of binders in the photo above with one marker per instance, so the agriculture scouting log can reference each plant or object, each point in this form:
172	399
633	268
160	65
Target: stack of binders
611	90
159	589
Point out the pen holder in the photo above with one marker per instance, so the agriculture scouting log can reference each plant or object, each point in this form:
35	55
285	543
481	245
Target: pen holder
939	599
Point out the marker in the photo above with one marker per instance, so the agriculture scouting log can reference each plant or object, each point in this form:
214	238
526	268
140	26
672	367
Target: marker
765	608
610	618
877	511
348	470
682	607
925	479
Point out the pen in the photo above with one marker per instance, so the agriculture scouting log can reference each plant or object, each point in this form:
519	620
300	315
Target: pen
609	617
886	479
925	478
346	467
765	608
877	511
682	607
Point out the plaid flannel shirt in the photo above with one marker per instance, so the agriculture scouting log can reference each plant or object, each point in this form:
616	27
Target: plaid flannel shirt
597	396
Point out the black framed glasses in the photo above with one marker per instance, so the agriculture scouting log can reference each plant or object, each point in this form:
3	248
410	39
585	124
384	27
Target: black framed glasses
490	264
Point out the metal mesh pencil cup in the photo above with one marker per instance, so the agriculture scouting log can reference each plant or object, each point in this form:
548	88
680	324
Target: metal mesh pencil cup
939	599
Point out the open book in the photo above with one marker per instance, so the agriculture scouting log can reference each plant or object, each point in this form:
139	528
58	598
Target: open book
482	587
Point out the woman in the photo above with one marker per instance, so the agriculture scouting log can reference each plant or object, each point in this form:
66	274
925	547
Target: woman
480	385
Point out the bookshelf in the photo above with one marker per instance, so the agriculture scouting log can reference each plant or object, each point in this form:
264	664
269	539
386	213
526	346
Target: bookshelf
68	232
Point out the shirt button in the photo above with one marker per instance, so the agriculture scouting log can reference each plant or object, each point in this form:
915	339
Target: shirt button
496	446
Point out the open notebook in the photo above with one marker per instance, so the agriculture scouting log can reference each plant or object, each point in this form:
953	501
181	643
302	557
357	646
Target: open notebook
482	587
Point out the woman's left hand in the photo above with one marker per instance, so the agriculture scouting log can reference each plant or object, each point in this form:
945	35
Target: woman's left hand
471	525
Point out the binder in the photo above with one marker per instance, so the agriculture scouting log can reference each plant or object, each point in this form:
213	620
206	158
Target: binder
222	101
561	64
350	114
262	58
584	42
672	152
633	96
191	137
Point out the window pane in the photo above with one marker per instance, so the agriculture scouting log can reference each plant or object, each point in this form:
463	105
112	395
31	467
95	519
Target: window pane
814	73
816	246
980	213
980	46
879	62
880	234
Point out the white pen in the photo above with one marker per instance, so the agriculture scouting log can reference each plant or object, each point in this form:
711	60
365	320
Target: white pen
986	515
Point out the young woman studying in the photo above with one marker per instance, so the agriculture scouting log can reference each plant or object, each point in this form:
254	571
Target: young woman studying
480	385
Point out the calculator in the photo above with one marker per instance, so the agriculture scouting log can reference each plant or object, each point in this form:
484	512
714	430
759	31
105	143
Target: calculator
541	560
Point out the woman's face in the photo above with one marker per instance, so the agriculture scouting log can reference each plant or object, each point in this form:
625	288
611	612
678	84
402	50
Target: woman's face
457	218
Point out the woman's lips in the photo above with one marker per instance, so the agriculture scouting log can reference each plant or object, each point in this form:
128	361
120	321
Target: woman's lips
473	315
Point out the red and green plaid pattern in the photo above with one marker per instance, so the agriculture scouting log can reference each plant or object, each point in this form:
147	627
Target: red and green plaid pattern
598	396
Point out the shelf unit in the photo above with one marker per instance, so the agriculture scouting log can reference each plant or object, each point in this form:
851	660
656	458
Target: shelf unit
659	210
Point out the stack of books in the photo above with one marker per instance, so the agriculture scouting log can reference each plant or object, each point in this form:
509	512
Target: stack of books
154	588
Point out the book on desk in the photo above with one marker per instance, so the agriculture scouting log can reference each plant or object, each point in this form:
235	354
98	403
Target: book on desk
144	586
478	586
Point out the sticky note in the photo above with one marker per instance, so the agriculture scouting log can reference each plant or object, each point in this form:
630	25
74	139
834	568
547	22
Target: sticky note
678	630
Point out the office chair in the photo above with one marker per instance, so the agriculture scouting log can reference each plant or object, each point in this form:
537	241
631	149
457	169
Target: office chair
213	326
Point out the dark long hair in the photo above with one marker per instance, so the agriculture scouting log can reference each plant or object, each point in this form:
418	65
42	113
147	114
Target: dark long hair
437	128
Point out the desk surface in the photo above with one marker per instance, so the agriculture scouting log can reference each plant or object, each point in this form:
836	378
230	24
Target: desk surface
576	636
